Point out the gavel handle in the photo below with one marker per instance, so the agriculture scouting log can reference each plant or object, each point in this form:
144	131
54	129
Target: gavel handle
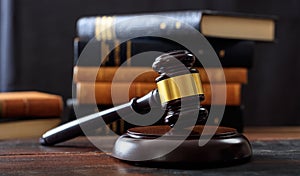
73	129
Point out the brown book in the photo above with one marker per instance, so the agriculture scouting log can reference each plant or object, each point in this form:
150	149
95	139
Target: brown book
30	104
100	92
146	74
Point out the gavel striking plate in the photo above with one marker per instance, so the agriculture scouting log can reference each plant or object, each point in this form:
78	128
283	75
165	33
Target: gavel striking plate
143	145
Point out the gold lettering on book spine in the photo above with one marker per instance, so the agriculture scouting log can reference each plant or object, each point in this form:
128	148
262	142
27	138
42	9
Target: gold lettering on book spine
122	126
105	32
177	25
98	28
162	25
105	28
117	53
109	24
128	52
222	53
104	52
179	87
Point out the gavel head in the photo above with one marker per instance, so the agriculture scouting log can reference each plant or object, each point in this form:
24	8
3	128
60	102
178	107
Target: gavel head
179	86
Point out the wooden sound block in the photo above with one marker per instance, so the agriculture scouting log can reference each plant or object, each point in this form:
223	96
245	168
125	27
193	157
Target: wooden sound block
226	147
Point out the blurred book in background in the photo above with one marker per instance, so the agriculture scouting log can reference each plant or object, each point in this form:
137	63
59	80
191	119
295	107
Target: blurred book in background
28	114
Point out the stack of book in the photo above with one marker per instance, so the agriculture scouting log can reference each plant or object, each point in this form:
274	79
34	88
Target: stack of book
232	36
28	114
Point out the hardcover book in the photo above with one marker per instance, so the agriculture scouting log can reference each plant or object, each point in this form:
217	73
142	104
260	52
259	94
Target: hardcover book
30	104
146	74
218	24
232	53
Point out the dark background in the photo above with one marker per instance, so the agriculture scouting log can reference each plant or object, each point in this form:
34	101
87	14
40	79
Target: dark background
40	55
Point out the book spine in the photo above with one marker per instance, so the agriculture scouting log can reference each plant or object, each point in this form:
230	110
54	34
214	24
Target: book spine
232	53
146	74
128	26
30	108
103	92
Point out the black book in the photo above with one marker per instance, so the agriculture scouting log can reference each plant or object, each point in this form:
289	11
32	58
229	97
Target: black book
233	117
232	53
219	24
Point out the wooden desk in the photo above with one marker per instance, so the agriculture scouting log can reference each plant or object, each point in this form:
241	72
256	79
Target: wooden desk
273	155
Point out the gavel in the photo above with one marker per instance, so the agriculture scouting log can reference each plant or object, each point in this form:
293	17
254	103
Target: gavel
178	94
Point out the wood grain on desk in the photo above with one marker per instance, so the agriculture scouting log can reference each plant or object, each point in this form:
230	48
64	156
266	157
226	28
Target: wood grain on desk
27	157
80	157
